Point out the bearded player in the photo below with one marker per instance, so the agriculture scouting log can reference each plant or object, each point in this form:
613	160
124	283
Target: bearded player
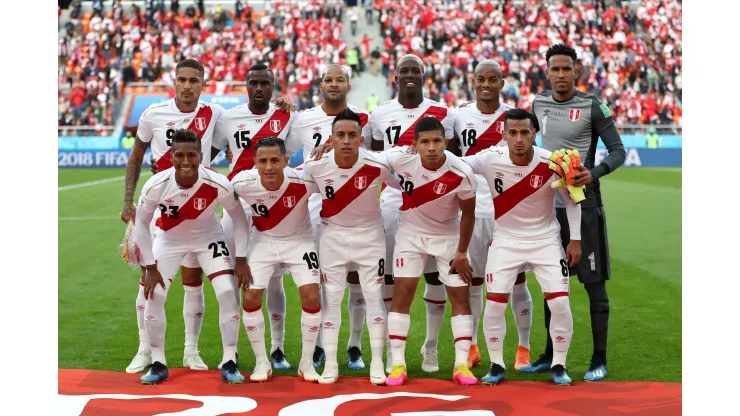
311	129
479	125
393	125
187	195
240	129
351	236
157	126
278	195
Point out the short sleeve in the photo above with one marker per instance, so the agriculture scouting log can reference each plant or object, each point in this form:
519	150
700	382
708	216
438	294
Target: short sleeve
220	136
292	142
145	130
375	129
449	123
367	133
477	162
468	186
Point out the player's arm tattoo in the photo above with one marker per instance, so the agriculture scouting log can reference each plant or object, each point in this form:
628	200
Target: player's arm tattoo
133	169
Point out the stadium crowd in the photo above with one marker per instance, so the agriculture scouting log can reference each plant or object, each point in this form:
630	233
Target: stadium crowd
629	56
103	52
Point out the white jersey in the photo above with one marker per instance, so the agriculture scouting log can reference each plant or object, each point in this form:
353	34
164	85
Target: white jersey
240	129
393	124
523	201
313	127
431	198
188	214
478	131
158	123
282	213
350	195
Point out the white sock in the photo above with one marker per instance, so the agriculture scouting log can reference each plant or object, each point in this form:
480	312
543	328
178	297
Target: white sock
140	305
356	306
494	328
310	324
276	310
331	321
561	328
435	301
254	324
376	323
228	314
521	307
398	330
319	341
462	333
476	308
387	301
193	309
156	321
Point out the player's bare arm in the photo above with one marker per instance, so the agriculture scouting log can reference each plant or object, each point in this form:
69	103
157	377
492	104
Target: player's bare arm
133	171
461	263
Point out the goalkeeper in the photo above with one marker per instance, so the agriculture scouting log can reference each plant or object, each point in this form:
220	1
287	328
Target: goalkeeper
572	119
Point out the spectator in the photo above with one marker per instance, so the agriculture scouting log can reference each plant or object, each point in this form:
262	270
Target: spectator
653	142
372	102
128	140
353	17
374	61
353	60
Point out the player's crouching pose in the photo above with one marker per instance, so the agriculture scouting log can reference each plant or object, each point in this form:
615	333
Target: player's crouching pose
352	236
278	196
435	183
526	235
188	195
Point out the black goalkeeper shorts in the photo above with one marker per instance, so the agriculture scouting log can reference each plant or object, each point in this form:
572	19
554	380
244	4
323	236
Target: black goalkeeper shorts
594	265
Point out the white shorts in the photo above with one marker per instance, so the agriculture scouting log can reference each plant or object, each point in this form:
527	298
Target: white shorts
298	254
411	253
190	260
478	248
545	259
314	212
344	250
210	253
228	226
390	225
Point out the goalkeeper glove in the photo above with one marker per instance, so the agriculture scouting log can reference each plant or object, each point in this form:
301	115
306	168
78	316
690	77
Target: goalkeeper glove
563	163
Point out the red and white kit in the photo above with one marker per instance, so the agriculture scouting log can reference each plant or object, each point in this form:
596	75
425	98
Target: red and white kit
310	129
188	223
282	229
393	124
478	131
429	224
526	234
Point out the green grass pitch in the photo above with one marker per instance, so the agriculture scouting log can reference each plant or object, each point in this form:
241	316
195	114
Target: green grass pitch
97	325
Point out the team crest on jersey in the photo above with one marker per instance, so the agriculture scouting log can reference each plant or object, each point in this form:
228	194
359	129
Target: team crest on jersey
399	262
361	182
200	123
536	181
199	204
289	201
574	114
275	126
439	188
500	127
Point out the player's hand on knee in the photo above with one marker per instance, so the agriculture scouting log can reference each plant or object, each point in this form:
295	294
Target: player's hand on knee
573	252
153	278
154	166
461	265
243	273
128	213
229	155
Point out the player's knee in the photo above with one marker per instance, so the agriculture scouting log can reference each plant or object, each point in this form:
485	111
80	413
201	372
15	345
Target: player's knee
597	292
333	298
252	299
559	305
432	279
310	300
521	278
353	278
389	280
191	276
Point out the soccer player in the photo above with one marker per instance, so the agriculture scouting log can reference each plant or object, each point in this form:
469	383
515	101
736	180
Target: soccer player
240	128
278	195
392	125
435	184
187	195
572	119
351	237
525	234
310	130
479	125
157	126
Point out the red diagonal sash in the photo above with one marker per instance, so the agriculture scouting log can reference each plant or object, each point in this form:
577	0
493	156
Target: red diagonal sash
190	210
490	137
246	157
202	119
281	208
353	188
431	191
407	138
518	192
